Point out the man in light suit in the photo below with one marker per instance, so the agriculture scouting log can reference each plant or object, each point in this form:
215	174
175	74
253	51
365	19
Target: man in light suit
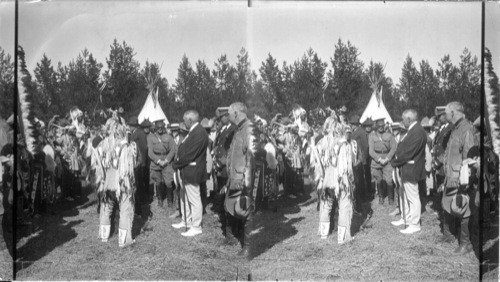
191	162
409	160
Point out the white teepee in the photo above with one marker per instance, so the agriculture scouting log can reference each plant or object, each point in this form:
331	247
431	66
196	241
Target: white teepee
152	110
376	108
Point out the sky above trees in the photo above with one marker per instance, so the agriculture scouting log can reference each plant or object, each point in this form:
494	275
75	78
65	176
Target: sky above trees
163	31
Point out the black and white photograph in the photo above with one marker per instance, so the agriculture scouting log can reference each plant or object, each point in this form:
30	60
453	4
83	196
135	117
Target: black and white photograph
249	140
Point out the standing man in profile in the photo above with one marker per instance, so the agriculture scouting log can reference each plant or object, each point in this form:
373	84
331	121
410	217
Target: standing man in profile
361	137
138	136
191	165
409	162
460	142
240	196
222	142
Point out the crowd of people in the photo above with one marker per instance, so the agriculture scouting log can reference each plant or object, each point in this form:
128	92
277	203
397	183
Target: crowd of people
240	164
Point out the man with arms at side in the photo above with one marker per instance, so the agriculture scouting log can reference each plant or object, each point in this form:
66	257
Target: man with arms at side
240	194
460	142
191	163
409	160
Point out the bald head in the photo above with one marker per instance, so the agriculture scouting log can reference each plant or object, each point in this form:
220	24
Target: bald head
190	118
237	112
454	111
409	116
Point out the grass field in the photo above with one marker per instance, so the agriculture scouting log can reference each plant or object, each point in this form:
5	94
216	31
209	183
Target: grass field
65	246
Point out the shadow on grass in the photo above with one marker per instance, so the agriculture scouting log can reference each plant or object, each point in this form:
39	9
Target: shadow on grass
490	250
49	229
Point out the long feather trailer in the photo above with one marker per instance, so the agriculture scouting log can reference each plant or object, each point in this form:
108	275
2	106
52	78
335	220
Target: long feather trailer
492	90
26	120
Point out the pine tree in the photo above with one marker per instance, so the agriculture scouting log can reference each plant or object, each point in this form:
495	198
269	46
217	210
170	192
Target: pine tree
6	84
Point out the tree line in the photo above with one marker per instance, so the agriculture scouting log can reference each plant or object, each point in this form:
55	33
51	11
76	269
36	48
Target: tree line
309	81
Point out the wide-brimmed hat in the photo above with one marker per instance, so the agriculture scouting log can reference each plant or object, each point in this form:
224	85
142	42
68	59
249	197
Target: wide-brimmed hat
159	123
459	204
133	120
146	123
221	111
439	110
397	126
173	126
243	206
354	120
367	122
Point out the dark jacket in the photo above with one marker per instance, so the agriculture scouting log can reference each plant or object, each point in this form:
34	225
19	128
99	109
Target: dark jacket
410	155
192	156
221	148
361	137
140	139
439	147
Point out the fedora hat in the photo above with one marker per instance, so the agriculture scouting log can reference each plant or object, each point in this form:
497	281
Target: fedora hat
367	122
133	120
439	110
221	111
146	123
173	126
354	120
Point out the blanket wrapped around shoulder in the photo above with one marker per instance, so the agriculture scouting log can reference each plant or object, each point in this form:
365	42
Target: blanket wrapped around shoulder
114	162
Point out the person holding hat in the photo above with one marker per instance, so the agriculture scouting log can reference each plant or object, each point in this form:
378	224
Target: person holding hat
381	147
138	136
240	191
161	152
222	141
455	182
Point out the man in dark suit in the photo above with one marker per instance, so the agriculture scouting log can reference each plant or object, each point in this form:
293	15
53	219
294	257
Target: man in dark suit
138	136
221	148
191	162
409	161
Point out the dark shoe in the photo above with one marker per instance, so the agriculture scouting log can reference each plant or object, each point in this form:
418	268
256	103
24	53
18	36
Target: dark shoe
446	239
244	253
467	249
175	214
463	249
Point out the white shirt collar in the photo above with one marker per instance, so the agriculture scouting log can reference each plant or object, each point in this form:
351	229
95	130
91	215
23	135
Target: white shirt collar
194	125
411	125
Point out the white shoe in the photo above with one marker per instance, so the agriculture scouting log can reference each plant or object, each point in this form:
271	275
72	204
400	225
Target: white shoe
398	222
192	232
410	229
180	225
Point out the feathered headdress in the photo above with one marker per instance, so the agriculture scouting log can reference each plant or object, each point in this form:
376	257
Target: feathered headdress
26	120
491	91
